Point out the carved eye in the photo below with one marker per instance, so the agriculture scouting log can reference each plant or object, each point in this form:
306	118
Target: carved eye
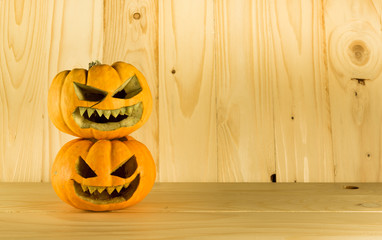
88	93
127	169
128	89
84	170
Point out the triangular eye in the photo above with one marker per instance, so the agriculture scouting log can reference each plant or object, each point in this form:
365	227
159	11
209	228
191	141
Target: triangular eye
88	93
84	170
127	169
128	89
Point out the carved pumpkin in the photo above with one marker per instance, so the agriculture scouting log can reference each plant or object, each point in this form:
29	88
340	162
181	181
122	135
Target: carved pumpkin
103	175
106	102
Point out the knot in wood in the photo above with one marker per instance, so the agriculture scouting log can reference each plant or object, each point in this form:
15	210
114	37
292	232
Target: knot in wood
137	16
358	52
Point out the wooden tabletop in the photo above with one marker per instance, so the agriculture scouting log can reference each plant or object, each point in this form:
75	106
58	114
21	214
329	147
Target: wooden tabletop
201	211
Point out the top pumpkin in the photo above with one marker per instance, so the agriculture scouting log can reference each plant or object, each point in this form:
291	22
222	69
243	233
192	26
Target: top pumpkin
106	102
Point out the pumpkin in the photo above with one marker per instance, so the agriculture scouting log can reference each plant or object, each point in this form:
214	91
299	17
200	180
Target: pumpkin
103	175
104	102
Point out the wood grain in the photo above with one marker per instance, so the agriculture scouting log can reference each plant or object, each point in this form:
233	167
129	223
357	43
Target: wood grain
37	41
131	35
187	98
201	211
353	34
244	74
242	89
300	92
257	226
213	197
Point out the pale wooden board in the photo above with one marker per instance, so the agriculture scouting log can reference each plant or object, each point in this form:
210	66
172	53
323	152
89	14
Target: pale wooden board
131	35
300	92
244	76
38	40
258	226
243	69
201	211
354	43
187	119
213	197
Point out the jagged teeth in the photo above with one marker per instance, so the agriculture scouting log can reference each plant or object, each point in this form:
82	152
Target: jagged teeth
119	188
110	190
92	189
84	188
107	113
100	189
100	112
123	111
115	112
90	111
82	110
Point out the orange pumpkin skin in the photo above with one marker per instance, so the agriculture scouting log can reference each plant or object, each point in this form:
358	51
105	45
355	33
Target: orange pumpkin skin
103	157
63	103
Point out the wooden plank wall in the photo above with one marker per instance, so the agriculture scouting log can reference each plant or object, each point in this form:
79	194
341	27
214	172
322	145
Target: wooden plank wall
242	89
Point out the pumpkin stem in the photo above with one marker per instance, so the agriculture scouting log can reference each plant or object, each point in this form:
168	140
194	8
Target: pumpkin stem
96	62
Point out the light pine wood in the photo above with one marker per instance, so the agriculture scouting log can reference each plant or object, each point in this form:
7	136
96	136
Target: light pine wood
257	226
38	40
244	74
300	92
354	42
131	35
215	197
242	89
201	211
187	98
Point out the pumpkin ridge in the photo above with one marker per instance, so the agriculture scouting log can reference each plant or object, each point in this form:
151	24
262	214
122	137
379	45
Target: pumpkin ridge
60	108
53	101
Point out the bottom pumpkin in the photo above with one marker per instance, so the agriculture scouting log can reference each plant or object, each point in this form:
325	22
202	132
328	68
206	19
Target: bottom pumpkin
103	175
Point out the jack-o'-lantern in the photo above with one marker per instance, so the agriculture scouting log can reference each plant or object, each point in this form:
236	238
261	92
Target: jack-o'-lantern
103	175
105	102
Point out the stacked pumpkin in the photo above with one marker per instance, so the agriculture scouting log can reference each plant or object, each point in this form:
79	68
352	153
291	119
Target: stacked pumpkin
105	169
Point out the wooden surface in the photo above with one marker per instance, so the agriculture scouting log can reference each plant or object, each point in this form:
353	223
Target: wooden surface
201	211
354	51
242	89
303	143
187	101
245	119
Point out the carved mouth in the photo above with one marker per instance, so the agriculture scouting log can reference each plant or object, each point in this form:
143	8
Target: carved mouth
108	120
106	194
